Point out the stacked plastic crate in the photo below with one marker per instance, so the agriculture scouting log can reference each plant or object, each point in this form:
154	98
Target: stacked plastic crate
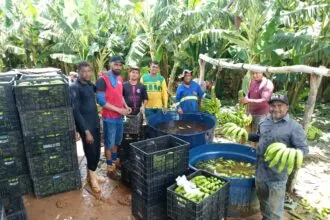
14	174
133	132
155	165
14	209
48	131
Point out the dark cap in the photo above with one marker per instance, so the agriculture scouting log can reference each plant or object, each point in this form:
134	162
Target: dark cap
280	98
117	59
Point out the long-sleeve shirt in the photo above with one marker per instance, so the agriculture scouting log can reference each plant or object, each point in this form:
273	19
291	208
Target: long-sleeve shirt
259	95
286	131
156	89
84	106
187	97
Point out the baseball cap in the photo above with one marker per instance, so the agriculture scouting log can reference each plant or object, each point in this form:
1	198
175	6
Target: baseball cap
117	59
280	98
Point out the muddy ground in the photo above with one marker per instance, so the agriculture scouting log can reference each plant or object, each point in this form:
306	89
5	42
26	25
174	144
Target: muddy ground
312	184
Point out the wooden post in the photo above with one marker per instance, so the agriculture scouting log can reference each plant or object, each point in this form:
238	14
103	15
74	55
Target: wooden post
201	70
315	81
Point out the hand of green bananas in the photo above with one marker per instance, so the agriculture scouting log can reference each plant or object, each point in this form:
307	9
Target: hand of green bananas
234	132
279	153
207	186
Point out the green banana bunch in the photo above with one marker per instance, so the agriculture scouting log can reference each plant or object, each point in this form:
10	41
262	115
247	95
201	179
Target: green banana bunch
212	105
234	132
319	213
279	154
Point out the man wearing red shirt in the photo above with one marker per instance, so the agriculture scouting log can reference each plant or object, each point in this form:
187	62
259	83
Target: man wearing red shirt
260	92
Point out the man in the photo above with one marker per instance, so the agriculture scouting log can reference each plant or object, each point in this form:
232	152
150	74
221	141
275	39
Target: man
187	94
260	91
87	121
156	89
110	96
135	93
278	127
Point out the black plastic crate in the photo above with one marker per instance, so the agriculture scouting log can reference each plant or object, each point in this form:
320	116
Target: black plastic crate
14	208
142	211
47	92
151	190
126	174
9	120
165	155
11	143
133	124
123	149
12	166
53	163
6	92
47	121
43	143
15	186
54	184
212	208
2	211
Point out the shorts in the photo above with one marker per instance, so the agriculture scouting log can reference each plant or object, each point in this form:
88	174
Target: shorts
113	133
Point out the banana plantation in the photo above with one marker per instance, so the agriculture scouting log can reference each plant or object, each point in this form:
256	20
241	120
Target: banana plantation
222	42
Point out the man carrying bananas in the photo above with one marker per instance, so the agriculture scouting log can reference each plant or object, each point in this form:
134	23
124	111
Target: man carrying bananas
282	145
187	94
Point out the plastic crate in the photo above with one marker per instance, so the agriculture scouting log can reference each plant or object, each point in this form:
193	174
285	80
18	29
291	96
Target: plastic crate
212	208
133	124
165	155
153	190
11	143
2	211
54	184
15	186
53	163
14	209
142	211
13	166
6	92
9	120
47	121
43	95
123	149
43	143
126	174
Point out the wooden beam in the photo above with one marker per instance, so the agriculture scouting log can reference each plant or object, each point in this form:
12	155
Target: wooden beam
201	70
321	71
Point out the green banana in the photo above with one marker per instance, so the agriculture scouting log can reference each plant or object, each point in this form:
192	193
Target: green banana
299	158
230	130
229	124
235	132
283	160
240	134
277	157
224	130
291	160
274	147
246	136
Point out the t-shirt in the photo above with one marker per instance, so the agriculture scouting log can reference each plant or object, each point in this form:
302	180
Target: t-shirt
259	95
157	90
134	96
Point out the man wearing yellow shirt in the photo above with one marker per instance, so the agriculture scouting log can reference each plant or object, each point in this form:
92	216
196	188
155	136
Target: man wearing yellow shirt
156	89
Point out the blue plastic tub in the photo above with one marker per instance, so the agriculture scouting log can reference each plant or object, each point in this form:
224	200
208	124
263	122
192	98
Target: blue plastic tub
243	200
194	139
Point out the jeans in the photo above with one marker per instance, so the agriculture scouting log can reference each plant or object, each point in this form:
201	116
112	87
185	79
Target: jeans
113	133
271	196
149	112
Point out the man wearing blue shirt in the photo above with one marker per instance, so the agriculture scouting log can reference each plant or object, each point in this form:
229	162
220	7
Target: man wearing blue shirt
187	94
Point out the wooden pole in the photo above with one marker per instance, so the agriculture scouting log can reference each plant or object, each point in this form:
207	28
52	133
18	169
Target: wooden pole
201	70
264	69
315	81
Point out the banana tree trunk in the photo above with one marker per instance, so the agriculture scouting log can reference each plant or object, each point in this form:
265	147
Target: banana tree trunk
172	78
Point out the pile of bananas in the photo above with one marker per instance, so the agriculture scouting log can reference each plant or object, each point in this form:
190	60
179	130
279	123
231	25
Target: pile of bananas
234	132
278	153
313	133
211	106
319	213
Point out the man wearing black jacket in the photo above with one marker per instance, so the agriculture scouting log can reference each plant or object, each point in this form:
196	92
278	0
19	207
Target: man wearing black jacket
87	121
